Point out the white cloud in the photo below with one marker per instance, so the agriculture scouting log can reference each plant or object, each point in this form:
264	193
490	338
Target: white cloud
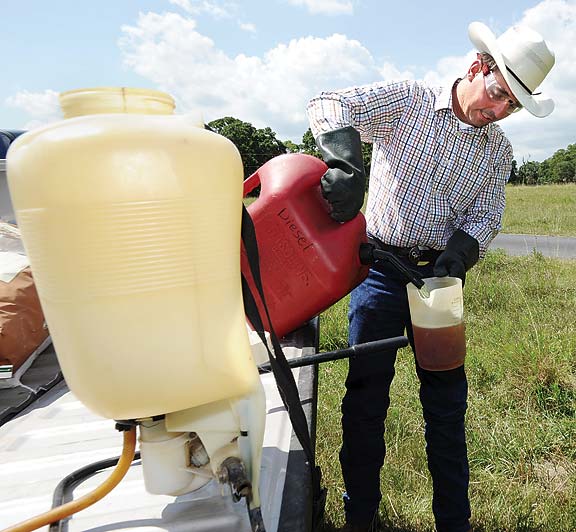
448	69
326	7
42	106
215	9
218	10
271	90
391	72
248	27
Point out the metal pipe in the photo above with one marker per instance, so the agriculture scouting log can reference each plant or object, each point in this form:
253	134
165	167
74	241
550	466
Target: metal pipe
368	348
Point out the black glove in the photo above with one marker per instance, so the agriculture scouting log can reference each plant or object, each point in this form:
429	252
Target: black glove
461	253
344	183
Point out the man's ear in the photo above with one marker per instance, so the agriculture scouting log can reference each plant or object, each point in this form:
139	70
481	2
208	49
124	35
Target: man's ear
475	67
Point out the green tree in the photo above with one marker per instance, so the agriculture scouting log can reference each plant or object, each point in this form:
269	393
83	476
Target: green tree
560	168
308	145
291	146
367	159
256	146
529	173
562	165
564	172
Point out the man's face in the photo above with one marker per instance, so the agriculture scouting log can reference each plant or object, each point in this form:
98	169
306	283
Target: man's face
487	98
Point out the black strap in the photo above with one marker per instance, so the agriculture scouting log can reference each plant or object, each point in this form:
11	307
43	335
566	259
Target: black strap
282	372
525	87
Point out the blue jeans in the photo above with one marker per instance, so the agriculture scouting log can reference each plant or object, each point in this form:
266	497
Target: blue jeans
379	309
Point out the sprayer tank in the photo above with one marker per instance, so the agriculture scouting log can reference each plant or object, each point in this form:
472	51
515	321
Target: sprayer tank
131	220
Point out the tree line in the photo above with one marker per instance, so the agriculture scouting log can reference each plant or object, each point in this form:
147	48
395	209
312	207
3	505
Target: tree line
256	146
560	168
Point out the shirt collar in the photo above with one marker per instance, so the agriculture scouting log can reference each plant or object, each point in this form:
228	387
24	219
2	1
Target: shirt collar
443	99
444	102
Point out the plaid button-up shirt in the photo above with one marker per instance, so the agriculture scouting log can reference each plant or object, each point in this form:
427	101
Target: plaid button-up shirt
430	173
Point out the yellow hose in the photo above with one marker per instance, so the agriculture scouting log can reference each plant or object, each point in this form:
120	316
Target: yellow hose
61	512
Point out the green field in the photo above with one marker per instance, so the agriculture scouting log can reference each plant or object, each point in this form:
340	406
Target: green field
541	210
521	365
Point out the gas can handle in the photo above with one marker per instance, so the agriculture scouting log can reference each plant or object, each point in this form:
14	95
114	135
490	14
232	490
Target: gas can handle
251	183
369	254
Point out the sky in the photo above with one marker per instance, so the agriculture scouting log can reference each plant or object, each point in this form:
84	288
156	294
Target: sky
261	61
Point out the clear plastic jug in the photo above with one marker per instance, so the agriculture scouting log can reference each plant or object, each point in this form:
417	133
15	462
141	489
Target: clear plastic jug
438	323
130	216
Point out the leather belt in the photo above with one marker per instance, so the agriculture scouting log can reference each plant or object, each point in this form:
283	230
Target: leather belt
417	255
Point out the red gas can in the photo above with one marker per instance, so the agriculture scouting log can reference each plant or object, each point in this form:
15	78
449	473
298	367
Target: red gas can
308	261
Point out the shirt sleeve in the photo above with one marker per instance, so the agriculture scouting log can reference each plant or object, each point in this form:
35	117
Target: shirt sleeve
484	218
373	109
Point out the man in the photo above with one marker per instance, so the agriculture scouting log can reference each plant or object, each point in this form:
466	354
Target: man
439	169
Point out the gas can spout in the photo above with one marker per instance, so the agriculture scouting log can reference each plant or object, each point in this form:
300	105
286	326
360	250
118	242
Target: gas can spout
369	254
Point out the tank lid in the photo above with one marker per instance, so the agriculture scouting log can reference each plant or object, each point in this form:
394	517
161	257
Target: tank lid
104	100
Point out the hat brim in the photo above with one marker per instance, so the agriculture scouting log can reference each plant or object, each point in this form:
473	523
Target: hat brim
485	41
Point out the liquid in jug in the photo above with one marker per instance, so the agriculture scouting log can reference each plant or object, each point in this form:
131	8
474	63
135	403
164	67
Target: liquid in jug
438	324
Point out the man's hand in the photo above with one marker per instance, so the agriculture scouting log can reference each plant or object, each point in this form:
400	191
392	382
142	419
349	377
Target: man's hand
344	182
461	253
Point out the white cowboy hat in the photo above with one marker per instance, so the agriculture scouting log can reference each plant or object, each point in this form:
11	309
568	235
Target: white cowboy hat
523	58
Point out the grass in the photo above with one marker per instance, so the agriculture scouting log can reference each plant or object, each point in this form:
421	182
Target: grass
521	365
521	421
543	210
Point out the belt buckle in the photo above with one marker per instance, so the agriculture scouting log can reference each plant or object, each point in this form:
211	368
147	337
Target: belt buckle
414	256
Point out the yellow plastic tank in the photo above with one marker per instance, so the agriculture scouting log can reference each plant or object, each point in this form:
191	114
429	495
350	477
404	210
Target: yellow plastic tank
130	216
